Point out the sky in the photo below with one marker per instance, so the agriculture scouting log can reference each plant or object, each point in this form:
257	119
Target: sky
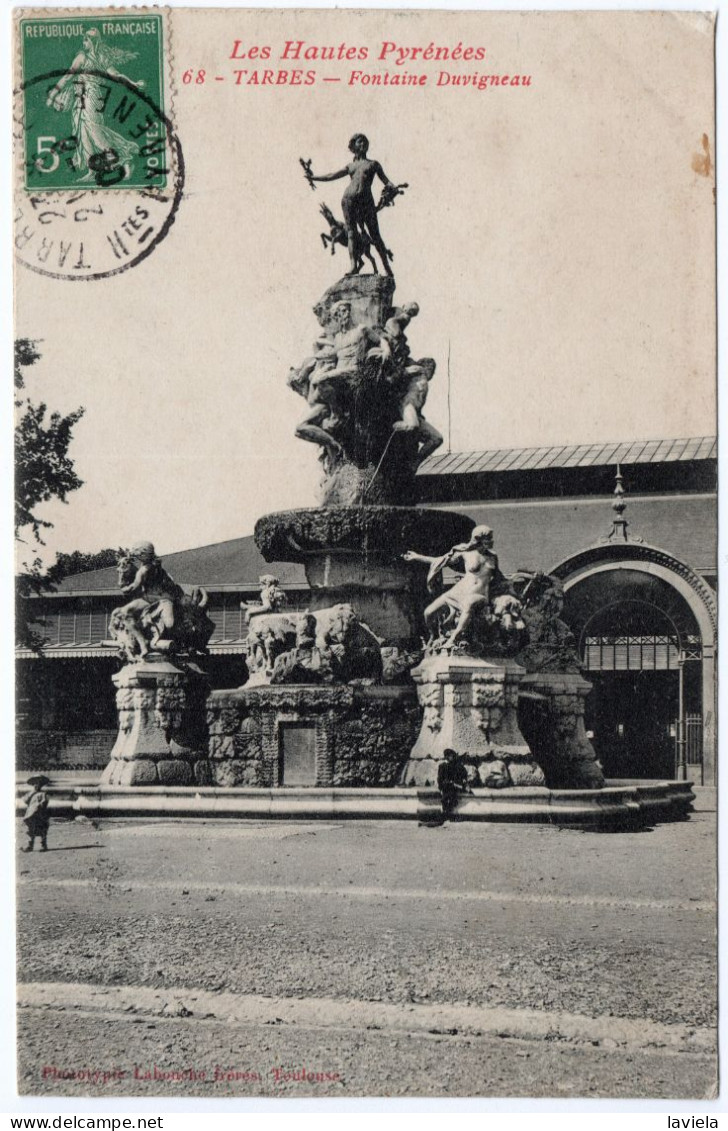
559	240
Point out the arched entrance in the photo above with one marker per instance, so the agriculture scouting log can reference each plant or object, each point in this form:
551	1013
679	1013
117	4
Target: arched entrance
644	624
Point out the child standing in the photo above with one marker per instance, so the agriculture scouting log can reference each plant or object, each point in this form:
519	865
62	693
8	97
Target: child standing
36	817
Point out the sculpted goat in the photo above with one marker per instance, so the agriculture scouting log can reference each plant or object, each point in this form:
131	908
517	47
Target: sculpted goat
337	235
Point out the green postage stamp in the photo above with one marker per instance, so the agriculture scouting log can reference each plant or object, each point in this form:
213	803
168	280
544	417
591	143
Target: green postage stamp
93	102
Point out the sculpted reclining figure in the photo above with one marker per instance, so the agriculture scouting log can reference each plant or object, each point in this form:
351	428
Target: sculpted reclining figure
326	378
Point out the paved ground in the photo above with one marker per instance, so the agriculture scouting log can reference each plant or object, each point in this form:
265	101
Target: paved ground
378	958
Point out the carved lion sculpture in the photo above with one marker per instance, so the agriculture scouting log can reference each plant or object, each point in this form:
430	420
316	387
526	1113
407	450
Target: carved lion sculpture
269	636
551	645
356	650
351	648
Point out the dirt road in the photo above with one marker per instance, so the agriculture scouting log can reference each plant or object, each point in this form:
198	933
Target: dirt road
367	958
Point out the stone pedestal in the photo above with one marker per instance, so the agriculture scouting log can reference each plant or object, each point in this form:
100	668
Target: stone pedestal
370	297
471	706
162	732
551	713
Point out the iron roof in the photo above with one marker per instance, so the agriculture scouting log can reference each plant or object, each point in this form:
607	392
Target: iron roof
573	455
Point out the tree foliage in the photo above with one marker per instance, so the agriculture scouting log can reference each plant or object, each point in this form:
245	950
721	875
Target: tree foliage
66	565
35	582
43	467
29	627
43	471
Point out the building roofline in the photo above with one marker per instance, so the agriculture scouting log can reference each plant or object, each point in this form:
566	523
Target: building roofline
210	586
504	461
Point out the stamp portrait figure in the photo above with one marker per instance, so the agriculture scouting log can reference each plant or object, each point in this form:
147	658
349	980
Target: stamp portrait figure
81	91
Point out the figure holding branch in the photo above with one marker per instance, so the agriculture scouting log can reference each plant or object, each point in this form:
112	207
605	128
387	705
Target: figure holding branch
357	203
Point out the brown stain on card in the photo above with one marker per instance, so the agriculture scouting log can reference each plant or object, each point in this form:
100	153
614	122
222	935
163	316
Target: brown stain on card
701	162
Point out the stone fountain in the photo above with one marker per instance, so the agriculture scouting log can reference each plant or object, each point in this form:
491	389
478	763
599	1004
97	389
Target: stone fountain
341	671
413	640
381	675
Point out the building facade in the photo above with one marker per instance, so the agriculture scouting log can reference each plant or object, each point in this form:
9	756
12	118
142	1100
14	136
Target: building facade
640	589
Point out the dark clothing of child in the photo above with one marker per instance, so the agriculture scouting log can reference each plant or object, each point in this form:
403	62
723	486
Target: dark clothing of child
36	819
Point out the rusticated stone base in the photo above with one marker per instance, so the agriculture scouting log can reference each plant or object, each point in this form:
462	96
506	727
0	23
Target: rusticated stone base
470	705
389	483
161	739
359	736
370	297
551	715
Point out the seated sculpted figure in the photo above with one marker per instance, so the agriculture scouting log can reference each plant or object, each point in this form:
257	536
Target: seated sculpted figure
272	598
410	378
350	342
394	331
311	380
478	564
149	621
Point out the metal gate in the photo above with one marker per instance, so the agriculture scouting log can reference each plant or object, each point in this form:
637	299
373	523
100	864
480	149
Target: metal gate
690	748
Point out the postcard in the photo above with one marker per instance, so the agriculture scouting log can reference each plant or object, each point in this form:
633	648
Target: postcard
366	518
